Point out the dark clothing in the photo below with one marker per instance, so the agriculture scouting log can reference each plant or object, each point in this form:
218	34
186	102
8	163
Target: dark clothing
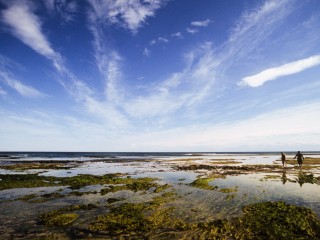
283	158
300	158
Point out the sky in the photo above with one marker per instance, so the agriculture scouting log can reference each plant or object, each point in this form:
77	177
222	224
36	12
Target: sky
159	75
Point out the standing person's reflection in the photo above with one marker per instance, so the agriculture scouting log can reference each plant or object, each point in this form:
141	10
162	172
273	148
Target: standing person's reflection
284	177
301	178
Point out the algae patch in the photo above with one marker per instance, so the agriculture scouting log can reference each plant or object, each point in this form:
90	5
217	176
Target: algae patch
135	185
203	183
135	217
63	216
60	219
266	220
34	180
275	220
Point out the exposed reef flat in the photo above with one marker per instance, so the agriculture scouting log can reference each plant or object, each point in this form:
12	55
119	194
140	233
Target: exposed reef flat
185	198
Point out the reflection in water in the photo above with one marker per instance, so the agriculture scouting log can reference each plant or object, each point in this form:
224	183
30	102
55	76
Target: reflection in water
305	178
284	177
287	188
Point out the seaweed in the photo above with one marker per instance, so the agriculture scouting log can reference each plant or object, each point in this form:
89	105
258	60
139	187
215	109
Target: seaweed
132	184
64	216
76	182
59	219
203	183
274	220
228	190
35	165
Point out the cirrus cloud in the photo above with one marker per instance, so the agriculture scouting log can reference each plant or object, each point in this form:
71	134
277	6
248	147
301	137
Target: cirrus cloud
130	14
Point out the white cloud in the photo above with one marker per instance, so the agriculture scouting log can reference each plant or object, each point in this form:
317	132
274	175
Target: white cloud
51	131
284	127
177	35
27	27
204	23
161	39
288	126
268	13
259	79
251	29
153	42
183	89
146	52
130	14
22	89
109	64
192	30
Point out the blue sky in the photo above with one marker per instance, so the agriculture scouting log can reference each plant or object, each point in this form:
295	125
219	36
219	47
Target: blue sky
159	75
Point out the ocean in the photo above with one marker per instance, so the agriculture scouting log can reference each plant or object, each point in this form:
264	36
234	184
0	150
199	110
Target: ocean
94	156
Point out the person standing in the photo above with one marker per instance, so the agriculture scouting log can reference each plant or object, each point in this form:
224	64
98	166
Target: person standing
300	158
283	158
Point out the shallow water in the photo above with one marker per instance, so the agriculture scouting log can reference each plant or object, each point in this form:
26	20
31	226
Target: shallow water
192	204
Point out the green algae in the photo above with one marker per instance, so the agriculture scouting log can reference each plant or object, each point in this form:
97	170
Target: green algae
274	220
164	198
25	181
306	161
132	218
162	188
230	197
135	185
35	198
126	218
236	169
203	183
136	217
270	177
59	219
228	190
35	165
224	161
266	220
34	180
64	216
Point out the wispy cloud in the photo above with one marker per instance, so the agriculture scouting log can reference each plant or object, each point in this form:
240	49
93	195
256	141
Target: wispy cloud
26	26
252	28
22	89
259	79
146	52
162	39
183	89
108	61
204	23
131	14
192	30
177	35
159	40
